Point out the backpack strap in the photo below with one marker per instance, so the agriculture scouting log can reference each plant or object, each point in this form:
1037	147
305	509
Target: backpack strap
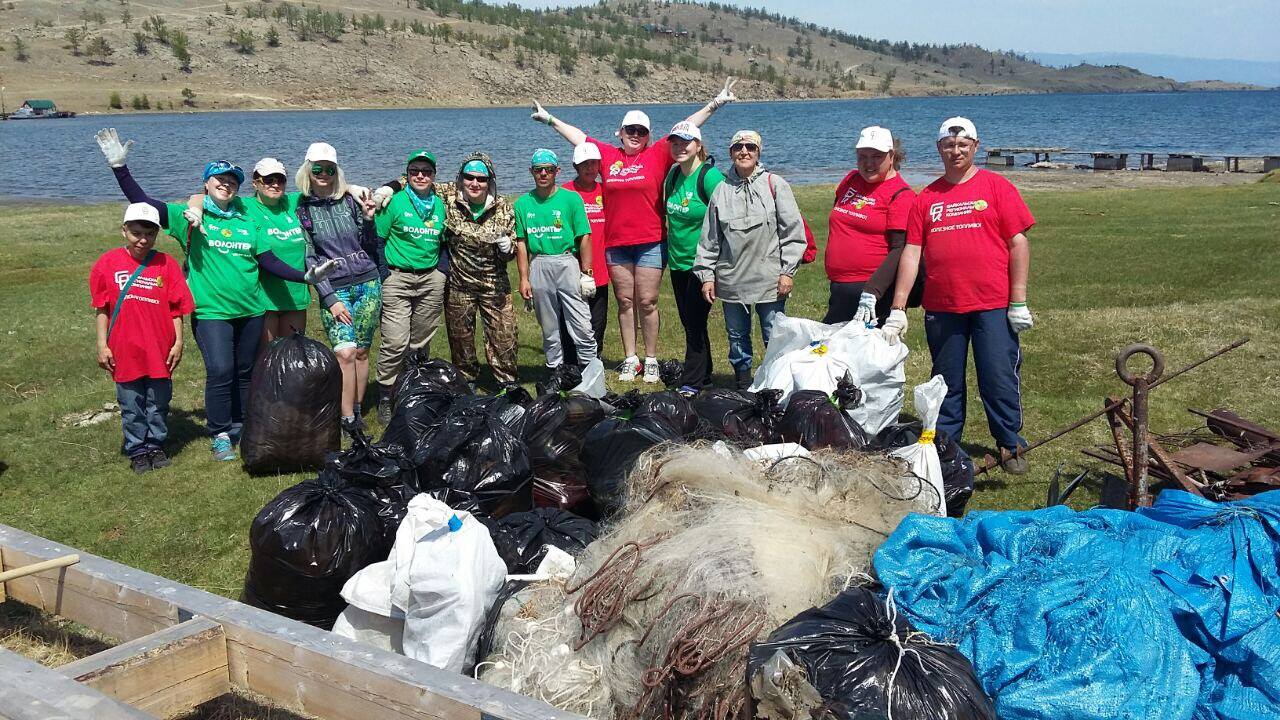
124	291
669	185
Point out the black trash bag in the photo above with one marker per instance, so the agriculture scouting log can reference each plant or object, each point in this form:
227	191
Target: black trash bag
416	416
740	416
957	466
295	405
670	372
383	471
553	428
522	538
610	451
624	405
818	421
511	402
672	408
485	640
423	373
306	543
846	652
565	377
474	462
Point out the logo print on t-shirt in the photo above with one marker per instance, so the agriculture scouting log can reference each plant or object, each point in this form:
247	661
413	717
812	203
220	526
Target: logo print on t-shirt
226	232
935	211
600	200
615	167
141	283
979	205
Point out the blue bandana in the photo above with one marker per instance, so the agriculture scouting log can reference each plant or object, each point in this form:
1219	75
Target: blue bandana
424	205
211	208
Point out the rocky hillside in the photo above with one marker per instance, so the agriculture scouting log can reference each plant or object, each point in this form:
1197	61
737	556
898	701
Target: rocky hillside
104	55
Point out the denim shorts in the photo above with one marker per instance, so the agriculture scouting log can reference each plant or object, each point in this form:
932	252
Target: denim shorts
364	302
649	255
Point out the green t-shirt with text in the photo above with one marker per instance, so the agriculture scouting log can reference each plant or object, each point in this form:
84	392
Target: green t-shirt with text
552	226
286	239
685	211
222	262
413	242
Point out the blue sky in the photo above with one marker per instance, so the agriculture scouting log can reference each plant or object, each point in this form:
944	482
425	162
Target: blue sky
1239	29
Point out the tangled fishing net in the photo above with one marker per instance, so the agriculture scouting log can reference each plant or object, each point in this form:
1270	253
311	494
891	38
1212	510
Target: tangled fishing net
712	552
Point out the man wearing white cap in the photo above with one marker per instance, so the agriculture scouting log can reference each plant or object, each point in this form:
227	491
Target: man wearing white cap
586	161
970	227
633	175
141	297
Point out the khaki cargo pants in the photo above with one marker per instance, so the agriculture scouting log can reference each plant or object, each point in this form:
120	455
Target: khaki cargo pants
411	308
499	318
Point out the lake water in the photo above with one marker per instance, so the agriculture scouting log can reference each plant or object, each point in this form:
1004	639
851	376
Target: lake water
807	142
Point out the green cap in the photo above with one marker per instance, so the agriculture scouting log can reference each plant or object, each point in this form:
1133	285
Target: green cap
476	167
421	154
543	157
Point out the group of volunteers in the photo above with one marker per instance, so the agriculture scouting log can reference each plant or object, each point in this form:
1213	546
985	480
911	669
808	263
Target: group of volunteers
393	260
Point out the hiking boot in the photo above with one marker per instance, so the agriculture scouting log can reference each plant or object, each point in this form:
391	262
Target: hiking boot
1016	465
629	368
222	450
742	379
140	463
384	406
158	459
651	370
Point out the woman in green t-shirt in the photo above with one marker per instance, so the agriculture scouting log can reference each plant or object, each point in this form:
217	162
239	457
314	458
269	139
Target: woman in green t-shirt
685	193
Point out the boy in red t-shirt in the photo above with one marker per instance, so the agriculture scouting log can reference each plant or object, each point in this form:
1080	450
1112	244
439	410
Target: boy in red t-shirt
140	296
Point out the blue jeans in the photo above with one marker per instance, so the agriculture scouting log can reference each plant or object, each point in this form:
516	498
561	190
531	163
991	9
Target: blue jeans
144	410
997	360
737	323
229	348
648	255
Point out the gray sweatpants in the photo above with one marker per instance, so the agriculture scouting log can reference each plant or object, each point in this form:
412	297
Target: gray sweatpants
556	293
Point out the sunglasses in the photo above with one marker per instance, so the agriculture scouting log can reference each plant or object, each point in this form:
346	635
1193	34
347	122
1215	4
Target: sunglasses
636	130
750	147
475	178
544	170
271	179
425	172
319	170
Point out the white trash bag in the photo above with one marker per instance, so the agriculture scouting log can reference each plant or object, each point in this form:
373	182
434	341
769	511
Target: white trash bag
592	384
808	355
922	457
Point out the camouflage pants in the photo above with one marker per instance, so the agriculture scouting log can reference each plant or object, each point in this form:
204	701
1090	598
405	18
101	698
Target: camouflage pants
499	317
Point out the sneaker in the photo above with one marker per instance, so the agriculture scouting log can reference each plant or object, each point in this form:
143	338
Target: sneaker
651	370
140	463
222	450
688	391
384	406
158	459
1016	465
629	368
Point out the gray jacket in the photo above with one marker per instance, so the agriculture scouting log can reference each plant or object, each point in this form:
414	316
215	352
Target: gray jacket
751	236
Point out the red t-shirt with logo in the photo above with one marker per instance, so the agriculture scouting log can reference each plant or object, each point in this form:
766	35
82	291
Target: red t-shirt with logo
964	232
862	214
143	332
633	192
593	199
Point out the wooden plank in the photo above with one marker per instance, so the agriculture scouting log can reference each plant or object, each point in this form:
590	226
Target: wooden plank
29	690
167	673
296	665
2	595
92	599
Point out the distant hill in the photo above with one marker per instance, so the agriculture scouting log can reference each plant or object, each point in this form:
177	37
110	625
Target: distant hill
92	55
1177	67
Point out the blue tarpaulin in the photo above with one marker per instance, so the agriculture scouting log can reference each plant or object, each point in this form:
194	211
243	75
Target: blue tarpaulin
1169	612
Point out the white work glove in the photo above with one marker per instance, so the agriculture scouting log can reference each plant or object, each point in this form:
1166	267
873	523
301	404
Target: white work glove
866	313
587	285
316	273
540	113
194	216
382	196
895	327
1020	317
726	95
112	149
504	244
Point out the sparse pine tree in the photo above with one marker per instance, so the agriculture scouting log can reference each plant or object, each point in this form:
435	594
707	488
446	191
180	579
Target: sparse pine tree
273	37
74	36
126	17
115	103
188	97
99	49
20	50
140	43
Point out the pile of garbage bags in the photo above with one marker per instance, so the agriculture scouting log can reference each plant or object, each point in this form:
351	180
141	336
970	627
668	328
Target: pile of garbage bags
295	400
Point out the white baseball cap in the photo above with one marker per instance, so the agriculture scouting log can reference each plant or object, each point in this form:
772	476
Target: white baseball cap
876	138
142	212
636	117
321	151
269	166
687	130
584	152
965	125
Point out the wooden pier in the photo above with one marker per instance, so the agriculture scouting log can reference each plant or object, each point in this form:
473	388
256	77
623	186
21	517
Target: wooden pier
1116	160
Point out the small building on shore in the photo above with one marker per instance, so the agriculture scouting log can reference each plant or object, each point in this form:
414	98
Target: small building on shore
32	109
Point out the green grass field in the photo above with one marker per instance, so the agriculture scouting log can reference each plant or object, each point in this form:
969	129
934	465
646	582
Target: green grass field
1188	270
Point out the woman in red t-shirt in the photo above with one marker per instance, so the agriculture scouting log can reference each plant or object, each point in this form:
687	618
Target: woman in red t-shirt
868	229
633	172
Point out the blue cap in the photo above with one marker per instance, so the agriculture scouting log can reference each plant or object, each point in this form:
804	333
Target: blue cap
476	167
543	157
222	167
455	523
